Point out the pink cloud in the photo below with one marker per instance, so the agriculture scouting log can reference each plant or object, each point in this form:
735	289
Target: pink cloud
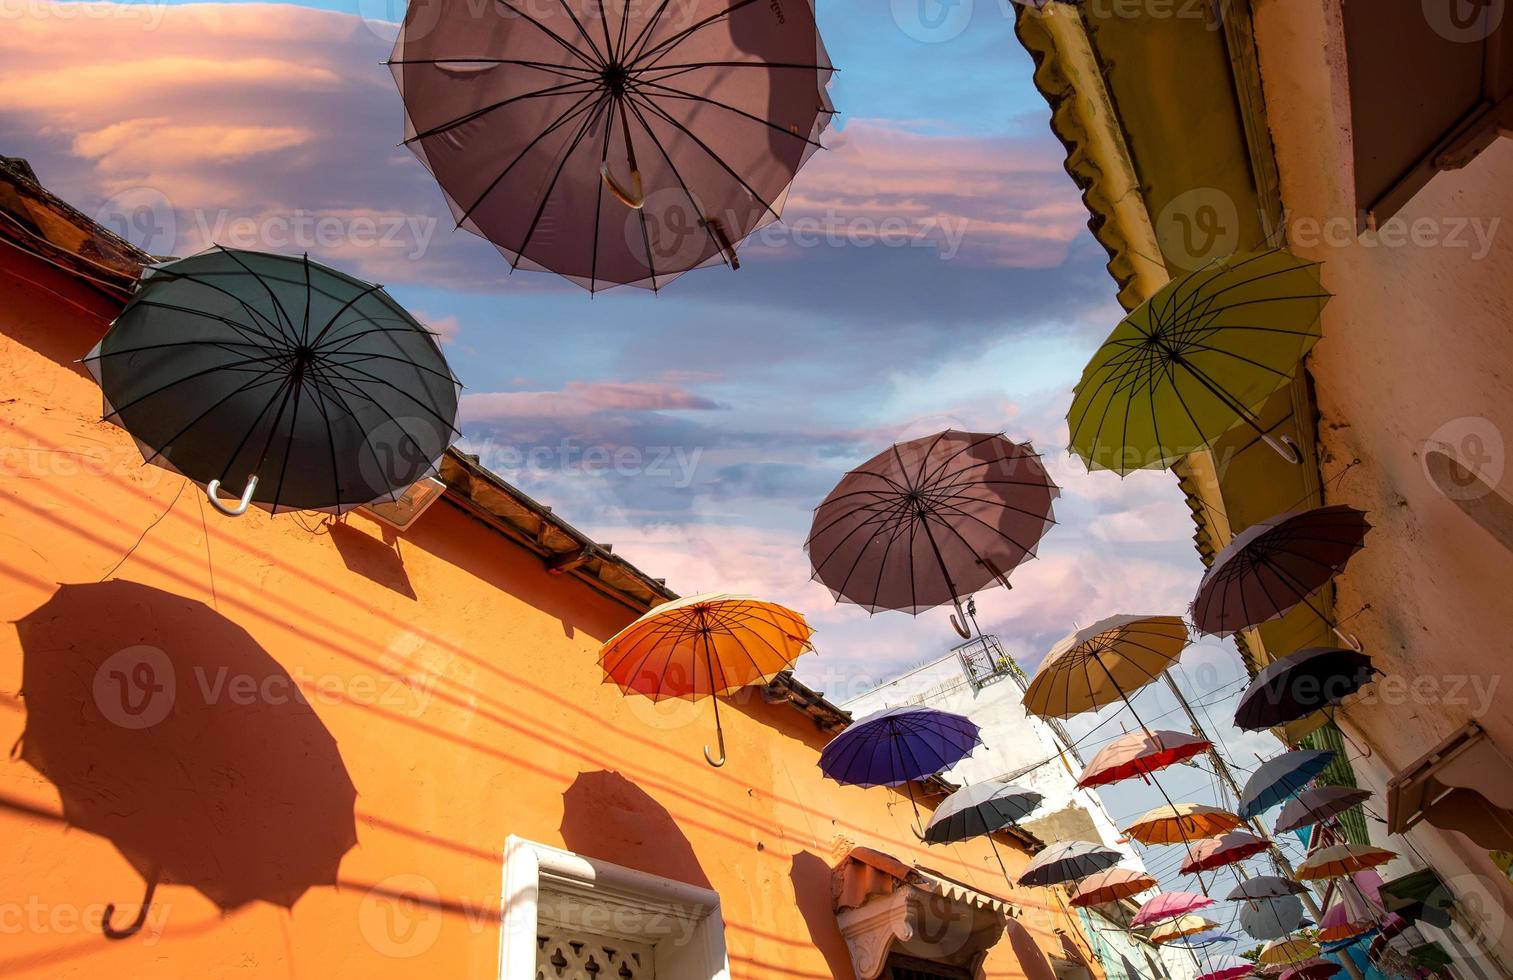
579	398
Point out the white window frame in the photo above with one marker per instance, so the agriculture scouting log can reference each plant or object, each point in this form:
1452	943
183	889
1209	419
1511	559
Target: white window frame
682	922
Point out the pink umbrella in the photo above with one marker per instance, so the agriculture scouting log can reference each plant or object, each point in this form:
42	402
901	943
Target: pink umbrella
1314	969
1169	905
1227	968
1139	754
1216	852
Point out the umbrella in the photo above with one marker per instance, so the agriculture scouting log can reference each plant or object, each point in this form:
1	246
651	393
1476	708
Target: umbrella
1341	922
1068	861
1297	685
1208	937
1283	951
1314	969
931	521
1198	358
898	746
1217	852
1104	663
1140	754
1271	918
1112	885
1274	565
1317	804
613	148
1181	823
298	386
241	799
1265	886
1188	925
1342	859
1167	906
704	646
1226	968
1281	778
975	811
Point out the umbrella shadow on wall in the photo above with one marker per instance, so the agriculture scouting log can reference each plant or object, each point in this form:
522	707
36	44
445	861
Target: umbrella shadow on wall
376	559
606	816
169	731
811	878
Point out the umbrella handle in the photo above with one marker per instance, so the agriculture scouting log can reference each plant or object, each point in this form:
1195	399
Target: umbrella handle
717	228
635	197
212	490
719	732
135	926
1285	447
1349	639
960	624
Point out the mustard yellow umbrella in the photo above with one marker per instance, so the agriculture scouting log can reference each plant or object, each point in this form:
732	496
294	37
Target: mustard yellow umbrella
1282	951
704	646
1198	358
1339	860
1181	823
1104	663
1188	925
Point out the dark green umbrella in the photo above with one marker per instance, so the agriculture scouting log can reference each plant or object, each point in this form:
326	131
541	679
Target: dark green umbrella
296	386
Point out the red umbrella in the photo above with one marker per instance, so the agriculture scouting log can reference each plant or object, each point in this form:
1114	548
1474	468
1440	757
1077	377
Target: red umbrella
1227	968
1216	852
613	146
1314	969
931	521
1276	564
1111	886
1167	906
1140	754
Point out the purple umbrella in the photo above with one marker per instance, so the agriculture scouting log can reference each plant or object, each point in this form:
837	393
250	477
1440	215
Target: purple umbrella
898	746
1297	685
1276	564
1281	778
1318	804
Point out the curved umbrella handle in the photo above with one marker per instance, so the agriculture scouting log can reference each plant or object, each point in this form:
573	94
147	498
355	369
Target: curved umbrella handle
915	831
959	621
1349	639
719	734
1285	447
212	490
135	926
635	197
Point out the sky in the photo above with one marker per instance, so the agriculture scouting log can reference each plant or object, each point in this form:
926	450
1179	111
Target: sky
696	429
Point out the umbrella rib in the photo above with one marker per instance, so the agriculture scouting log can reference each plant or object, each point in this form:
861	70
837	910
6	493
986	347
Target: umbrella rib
358	356
369	378
714	156
373	288
672	42
117	410
562	71
333	384
599	56
319	398
277	306
260	379
594	88
570	48
280	335
680	69
567	155
675	93
678	176
241	328
625	104
627	58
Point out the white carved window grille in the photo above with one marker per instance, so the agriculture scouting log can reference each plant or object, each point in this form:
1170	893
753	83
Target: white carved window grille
565	955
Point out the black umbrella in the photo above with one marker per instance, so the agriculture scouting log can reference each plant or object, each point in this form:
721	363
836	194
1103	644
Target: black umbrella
981	810
303	387
1297	685
1068	861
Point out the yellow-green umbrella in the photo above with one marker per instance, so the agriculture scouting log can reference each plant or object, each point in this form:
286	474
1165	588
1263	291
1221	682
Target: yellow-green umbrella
1293	950
1195	360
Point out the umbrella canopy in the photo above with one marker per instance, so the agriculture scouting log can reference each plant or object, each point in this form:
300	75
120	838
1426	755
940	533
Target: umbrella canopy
897	746
1281	778
1167	906
610	146
1182	823
296	386
1140	754
1288	951
1237	845
1342	859
1104	664
1188	925
1317	804
1274	565
1343	922
1198	358
981	809
702	646
1226	968
1112	885
1271	918
1297	685
1314	969
931	521
1068	861
1199	940
1265	886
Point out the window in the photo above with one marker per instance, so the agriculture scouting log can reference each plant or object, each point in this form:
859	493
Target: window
901	967
570	917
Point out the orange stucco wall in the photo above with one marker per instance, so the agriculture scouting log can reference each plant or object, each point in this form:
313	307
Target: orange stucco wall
458	684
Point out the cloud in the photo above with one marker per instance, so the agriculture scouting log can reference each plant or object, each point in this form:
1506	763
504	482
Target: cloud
578	398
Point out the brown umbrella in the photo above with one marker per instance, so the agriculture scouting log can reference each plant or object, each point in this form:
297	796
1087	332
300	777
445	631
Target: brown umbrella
931	521
613	143
1276	564
1112	885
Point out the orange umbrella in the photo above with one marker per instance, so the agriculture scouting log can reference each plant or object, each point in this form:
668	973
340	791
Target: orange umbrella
1342	859
1182	822
1216	852
1140	754
1188	925
1111	886
704	646
1292	950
